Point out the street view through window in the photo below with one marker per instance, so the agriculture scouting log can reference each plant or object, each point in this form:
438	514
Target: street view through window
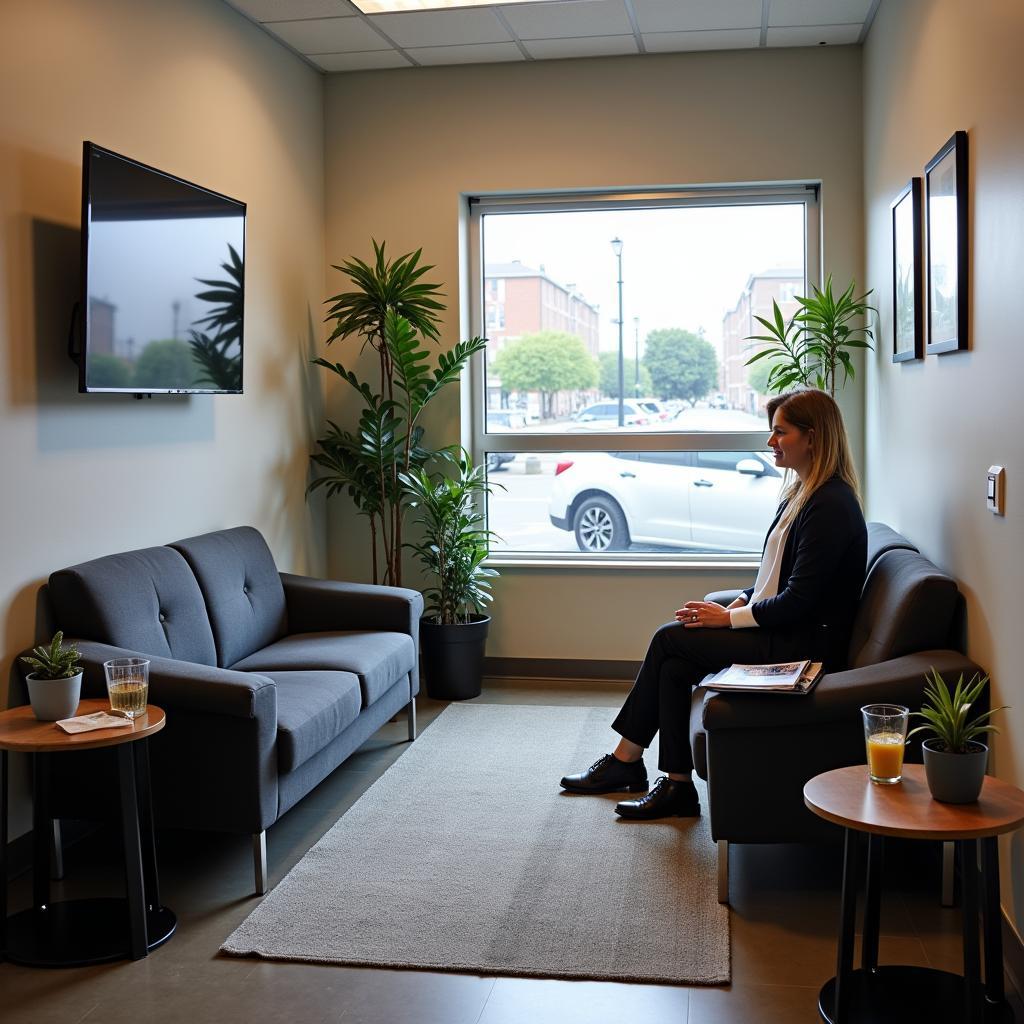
628	327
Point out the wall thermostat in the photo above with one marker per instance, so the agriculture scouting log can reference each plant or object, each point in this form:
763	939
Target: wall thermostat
996	486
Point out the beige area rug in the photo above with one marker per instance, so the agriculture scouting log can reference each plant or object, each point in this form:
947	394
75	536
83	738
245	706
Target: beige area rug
466	856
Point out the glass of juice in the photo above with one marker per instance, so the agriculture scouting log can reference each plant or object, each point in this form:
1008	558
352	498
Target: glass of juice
127	685
885	733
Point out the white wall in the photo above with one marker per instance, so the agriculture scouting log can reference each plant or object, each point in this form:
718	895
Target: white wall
192	88
932	67
404	146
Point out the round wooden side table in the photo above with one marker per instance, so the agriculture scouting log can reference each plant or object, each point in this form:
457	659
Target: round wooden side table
70	933
906	810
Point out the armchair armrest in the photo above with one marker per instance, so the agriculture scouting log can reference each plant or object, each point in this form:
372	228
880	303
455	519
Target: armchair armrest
187	686
839	696
316	606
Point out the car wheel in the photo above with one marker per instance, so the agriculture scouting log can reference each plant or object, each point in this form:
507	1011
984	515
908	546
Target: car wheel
600	526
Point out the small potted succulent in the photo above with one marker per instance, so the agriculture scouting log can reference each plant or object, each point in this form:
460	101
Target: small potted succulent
55	684
954	761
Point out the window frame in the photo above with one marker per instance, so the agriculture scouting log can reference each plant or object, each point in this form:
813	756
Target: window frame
480	440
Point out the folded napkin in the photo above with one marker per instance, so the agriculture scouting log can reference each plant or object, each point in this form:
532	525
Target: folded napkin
97	720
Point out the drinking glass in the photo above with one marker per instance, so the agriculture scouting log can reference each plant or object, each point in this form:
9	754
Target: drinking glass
885	733
127	685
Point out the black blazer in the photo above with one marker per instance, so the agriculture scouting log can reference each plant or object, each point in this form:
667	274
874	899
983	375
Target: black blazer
821	575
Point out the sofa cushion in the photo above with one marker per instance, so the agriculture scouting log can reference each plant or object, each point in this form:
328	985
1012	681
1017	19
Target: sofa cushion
378	659
907	605
146	601
313	709
242	589
883	538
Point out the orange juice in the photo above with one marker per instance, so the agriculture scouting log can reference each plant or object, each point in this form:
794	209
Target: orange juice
885	755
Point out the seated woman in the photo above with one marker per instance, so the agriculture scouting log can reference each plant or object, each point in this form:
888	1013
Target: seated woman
802	605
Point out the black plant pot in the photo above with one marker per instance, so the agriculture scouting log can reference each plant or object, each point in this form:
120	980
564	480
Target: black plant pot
453	657
955	778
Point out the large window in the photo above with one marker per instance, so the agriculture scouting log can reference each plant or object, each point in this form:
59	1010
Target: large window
613	403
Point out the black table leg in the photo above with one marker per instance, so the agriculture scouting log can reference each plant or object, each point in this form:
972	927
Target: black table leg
3	855
132	852
872	904
41	825
992	921
847	922
147	834
969	910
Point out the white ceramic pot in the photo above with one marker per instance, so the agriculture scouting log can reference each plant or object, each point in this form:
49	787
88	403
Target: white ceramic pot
54	699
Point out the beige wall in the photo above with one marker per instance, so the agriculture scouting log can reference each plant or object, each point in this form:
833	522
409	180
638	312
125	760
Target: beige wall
192	88
403	146
934	427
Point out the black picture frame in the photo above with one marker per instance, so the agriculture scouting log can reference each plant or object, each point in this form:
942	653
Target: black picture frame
907	289
945	178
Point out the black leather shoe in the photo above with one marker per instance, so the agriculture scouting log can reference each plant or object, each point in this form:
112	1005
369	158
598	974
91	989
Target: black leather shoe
608	775
668	798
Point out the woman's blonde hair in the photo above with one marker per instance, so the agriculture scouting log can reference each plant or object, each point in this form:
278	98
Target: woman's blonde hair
813	410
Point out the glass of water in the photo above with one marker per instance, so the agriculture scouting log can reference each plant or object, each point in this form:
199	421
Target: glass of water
127	685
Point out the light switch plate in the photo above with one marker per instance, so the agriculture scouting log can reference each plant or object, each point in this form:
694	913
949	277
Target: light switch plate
995	489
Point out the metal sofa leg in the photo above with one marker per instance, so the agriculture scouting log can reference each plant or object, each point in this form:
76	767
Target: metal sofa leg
259	858
723	871
56	852
410	714
948	872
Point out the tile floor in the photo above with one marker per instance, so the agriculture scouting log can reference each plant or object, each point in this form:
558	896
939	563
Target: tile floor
785	911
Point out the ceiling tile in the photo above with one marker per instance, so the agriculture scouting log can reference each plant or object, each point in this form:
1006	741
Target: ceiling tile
292	10
477	53
591	46
676	16
329	35
361	61
724	39
818	12
442	28
562	20
811	35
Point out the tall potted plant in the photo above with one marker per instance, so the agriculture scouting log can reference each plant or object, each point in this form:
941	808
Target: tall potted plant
954	760
55	683
452	549
393	311
809	349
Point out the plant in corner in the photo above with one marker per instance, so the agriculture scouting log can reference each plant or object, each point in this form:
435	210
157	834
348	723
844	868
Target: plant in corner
452	549
954	761
55	684
392	310
809	349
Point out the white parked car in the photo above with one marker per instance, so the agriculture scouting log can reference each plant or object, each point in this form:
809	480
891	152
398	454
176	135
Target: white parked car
606	413
721	501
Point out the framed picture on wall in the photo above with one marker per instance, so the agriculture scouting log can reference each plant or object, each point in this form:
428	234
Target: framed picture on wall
945	183
907	316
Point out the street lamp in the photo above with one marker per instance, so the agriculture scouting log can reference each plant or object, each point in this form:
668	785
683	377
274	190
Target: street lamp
617	249
636	341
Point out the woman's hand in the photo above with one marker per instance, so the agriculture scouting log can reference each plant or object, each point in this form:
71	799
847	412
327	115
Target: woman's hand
703	615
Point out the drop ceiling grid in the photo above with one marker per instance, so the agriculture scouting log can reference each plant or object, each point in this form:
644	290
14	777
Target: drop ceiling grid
334	35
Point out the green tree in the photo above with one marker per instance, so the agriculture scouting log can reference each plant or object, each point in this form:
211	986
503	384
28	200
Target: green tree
107	371
609	363
682	364
165	364
548	362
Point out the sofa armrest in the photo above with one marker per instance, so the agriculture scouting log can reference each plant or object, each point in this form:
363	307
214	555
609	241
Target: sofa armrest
185	685
316	606
838	695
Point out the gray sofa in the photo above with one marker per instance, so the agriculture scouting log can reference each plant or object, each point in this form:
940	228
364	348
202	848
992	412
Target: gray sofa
756	752
269	680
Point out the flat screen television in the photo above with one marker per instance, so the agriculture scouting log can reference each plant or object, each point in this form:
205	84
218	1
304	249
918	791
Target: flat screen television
163	281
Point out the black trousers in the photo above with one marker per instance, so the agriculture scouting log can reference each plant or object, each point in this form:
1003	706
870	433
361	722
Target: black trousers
677	660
